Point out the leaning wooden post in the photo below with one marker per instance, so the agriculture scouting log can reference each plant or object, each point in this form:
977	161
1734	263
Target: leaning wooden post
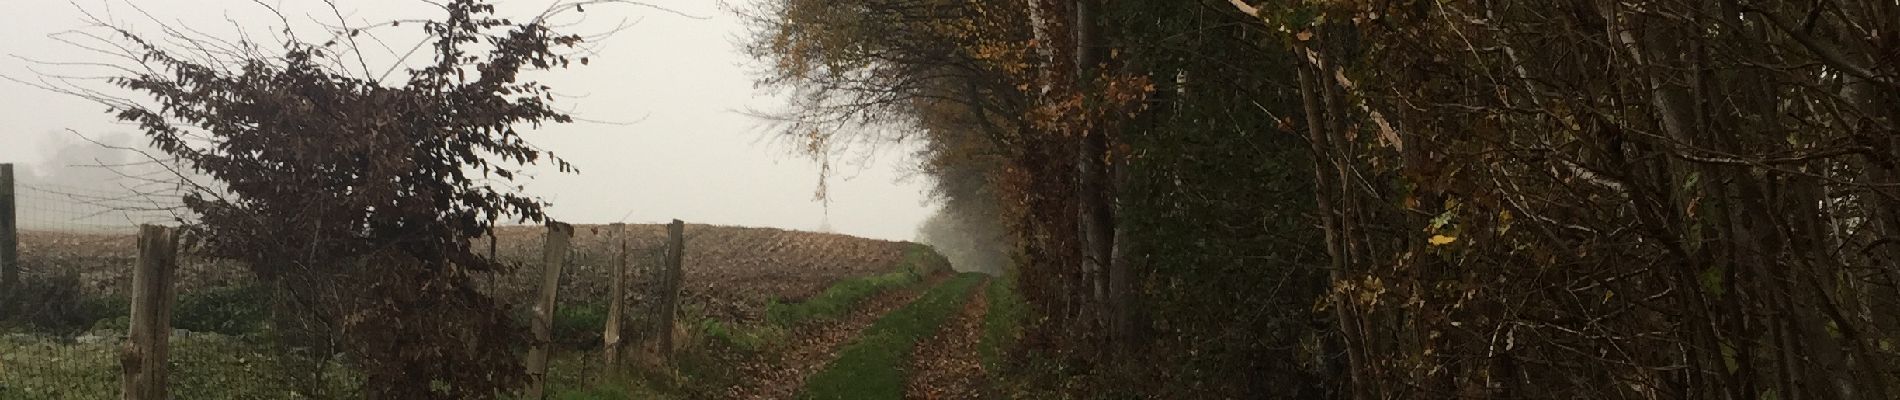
611	335
146	349
553	259
9	235
670	297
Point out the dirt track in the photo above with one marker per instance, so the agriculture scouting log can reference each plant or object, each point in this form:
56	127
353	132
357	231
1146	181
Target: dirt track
815	345
946	366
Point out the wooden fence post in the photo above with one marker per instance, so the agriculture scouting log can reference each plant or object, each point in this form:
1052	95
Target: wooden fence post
9	235
492	286
553	259
146	348
670	296
611	335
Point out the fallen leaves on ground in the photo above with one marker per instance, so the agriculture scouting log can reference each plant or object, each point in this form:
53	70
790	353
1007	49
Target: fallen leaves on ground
946	366
814	345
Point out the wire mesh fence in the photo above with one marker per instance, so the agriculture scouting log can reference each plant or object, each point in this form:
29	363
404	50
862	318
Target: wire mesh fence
585	293
62	335
63	322
60	207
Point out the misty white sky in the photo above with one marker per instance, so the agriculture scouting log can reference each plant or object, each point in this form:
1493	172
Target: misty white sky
691	154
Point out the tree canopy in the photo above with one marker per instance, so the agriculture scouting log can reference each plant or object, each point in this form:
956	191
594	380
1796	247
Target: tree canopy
1665	199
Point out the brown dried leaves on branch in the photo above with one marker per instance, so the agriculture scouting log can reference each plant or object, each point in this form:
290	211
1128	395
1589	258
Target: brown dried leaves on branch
358	198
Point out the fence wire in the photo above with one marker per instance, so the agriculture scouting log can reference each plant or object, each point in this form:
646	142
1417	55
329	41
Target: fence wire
78	246
56	207
62	328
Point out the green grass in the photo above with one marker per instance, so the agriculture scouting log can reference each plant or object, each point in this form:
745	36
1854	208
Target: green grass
602	392
229	310
202	367
703	366
919	261
607	391
749	339
1002	324
574	375
873	367
579	325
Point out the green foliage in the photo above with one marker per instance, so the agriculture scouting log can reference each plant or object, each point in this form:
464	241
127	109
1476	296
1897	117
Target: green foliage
750	339
579	325
57	305
872	367
1002	324
41	368
231	310
705	370
577	375
835	300
919	261
600	392
922	260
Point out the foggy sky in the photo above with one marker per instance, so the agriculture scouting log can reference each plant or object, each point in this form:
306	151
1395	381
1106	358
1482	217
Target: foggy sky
689	152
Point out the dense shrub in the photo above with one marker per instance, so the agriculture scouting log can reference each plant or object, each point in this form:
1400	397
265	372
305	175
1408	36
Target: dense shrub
579	325
231	310
57	305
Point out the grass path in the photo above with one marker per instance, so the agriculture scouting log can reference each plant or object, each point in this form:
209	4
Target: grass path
946	366
874	367
814	345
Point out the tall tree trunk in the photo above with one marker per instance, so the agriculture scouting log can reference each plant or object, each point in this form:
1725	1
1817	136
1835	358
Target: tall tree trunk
1359	385
1092	162
1664	200
1125	318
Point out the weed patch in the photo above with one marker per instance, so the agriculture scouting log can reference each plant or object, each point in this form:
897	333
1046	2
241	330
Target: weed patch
1002	324
579	325
204	366
57	305
231	310
747	339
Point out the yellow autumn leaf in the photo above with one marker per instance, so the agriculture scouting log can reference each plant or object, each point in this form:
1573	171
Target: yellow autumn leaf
1441	240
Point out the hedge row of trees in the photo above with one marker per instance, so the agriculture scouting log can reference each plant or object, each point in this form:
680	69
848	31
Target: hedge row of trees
1402	199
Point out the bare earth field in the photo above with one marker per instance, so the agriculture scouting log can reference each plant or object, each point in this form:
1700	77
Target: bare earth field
730	272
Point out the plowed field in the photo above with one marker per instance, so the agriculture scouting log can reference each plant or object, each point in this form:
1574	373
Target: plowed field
730	272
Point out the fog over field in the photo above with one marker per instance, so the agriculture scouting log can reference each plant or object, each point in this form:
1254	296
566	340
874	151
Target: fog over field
661	140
